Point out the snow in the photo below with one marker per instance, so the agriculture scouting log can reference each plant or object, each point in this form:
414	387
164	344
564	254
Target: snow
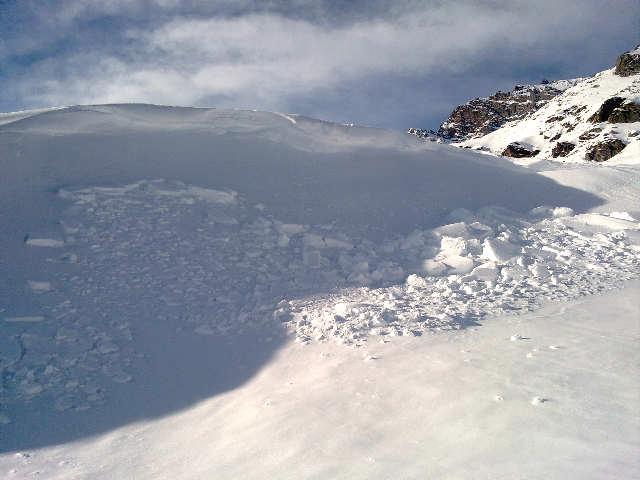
499	250
45	242
197	292
31	319
565	118
560	402
39	286
11	117
288	117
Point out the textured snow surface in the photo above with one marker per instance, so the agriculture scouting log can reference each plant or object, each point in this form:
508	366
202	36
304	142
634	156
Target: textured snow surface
487	270
229	266
156	260
210	262
551	394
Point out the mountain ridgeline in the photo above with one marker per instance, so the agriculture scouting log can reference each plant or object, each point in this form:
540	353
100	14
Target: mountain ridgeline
594	118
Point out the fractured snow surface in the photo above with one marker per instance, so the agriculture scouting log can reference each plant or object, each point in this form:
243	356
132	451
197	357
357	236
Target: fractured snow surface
222	266
221	282
230	266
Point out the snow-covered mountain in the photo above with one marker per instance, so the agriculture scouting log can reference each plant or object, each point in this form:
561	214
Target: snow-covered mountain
480	116
200	293
484	115
593	119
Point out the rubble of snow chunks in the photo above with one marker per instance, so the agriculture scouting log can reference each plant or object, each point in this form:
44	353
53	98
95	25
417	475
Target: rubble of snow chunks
484	263
208	262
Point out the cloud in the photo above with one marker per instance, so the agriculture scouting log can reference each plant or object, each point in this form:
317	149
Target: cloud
272	55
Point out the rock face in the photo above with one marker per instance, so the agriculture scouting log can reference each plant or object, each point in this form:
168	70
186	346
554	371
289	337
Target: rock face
605	150
625	113
582	119
606	109
517	150
590	134
484	115
628	63
562	149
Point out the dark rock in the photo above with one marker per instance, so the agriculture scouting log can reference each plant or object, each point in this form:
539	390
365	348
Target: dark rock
484	115
424	134
605	150
481	116
626	113
517	150
628	63
589	134
609	105
556	137
554	118
562	149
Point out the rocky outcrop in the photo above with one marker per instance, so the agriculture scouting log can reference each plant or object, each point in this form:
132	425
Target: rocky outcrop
615	110
606	109
590	134
424	134
562	149
518	150
603	151
587	118
484	115
628	63
625	113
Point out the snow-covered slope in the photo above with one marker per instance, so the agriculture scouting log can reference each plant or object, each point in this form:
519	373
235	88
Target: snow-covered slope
552	395
159	264
597	119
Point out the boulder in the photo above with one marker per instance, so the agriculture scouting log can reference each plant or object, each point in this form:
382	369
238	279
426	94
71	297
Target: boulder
562	149
605	150
625	113
517	150
590	134
609	105
628	63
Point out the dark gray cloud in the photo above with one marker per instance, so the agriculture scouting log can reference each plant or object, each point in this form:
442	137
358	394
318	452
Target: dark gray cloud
387	63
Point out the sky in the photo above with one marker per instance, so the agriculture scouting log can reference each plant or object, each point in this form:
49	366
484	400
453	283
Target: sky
394	64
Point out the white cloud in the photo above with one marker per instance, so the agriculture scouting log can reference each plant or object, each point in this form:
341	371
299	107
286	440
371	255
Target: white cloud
267	59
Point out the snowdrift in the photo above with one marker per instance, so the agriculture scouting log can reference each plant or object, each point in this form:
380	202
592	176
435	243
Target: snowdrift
136	238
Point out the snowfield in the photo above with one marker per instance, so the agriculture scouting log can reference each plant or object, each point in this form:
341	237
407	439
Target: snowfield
202	293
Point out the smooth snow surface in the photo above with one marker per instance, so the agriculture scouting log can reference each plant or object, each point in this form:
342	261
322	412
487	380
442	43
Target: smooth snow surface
187	289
